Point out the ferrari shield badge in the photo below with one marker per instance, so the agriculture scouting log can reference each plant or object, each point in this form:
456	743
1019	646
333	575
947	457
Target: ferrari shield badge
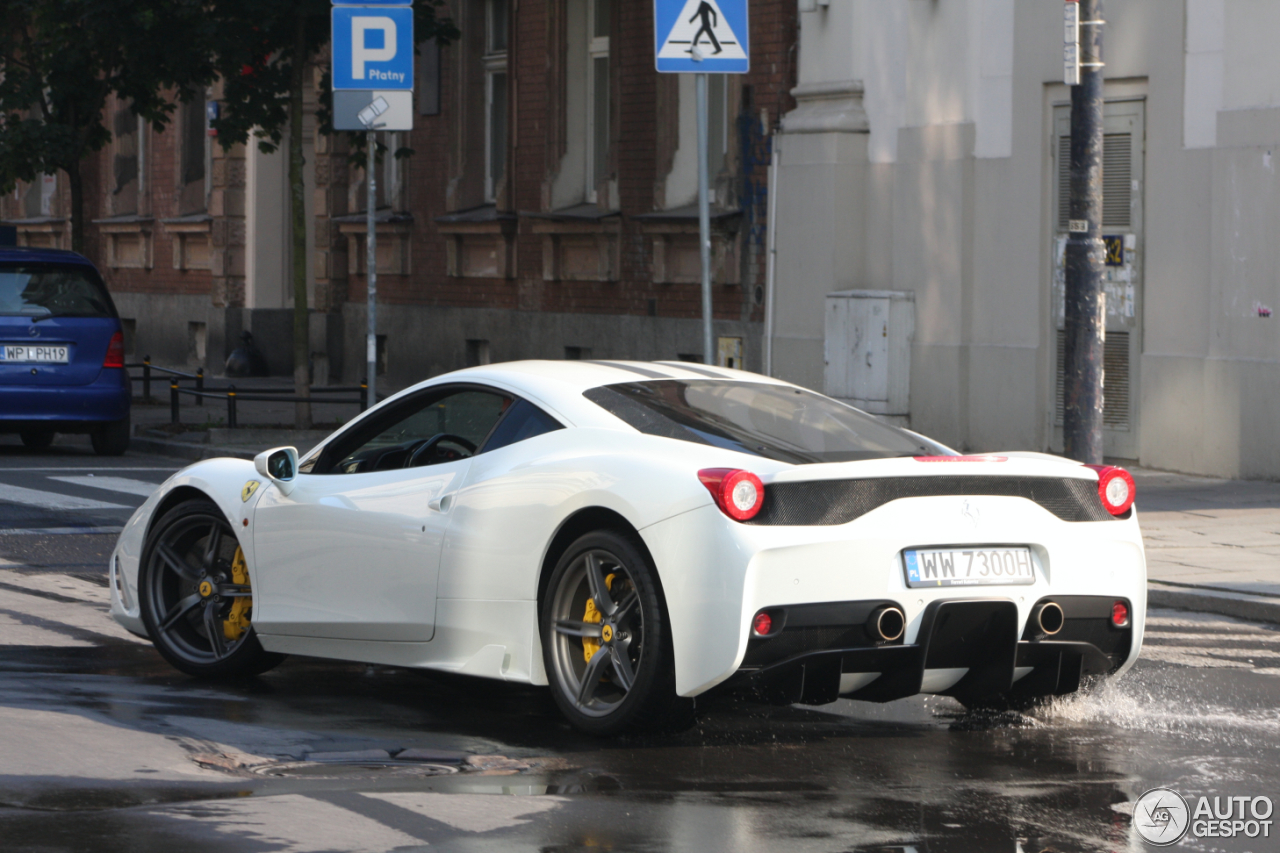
248	490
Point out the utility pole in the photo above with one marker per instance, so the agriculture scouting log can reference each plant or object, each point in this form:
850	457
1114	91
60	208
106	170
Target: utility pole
1086	308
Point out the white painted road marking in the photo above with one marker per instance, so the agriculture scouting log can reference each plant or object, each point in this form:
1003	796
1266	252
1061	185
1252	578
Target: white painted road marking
50	500
112	484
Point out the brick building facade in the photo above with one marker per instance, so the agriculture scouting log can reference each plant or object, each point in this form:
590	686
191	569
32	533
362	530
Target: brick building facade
548	209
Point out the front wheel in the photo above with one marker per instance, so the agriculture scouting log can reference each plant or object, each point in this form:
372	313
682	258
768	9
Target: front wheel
112	438
196	598
605	640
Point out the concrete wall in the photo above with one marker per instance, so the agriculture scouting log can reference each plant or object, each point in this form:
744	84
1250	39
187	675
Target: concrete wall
944	186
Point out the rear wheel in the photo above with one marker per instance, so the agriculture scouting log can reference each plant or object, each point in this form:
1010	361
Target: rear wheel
605	640
112	438
196	598
37	439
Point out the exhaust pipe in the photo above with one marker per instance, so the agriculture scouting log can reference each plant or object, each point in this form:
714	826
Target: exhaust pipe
1050	618
886	624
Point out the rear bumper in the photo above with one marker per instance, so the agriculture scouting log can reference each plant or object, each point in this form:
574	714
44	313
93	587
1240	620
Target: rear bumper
977	645
65	407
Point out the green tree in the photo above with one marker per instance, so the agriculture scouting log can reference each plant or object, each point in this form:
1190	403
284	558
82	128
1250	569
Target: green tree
262	57
61	59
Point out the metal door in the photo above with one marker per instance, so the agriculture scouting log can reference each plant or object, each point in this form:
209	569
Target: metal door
1122	216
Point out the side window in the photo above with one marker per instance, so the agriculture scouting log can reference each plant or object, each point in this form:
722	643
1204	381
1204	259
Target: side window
426	430
525	420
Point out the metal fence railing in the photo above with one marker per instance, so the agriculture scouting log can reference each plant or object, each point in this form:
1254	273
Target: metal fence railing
233	397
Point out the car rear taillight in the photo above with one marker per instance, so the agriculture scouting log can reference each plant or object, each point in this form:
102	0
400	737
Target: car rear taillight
1120	614
115	351
738	493
1115	487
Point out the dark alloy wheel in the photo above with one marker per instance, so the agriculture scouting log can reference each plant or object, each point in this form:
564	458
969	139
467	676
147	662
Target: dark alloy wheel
195	593
606	644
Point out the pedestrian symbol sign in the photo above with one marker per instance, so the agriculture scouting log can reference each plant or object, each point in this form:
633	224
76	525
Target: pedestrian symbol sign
701	36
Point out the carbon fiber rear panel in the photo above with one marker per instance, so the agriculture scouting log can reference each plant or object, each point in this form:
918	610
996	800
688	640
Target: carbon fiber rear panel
827	502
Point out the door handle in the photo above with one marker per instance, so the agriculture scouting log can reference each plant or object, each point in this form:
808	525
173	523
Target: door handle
441	504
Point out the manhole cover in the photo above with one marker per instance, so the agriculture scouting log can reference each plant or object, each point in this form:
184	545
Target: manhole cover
352	769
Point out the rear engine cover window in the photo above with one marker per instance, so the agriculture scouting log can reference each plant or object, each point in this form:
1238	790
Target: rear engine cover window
52	290
774	421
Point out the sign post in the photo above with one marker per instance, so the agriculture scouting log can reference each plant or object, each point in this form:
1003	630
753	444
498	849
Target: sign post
702	37
372	90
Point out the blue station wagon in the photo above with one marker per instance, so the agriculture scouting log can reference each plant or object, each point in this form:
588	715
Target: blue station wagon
61	351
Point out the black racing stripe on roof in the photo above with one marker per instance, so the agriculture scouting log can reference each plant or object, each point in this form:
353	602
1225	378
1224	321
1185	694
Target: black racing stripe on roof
684	365
652	374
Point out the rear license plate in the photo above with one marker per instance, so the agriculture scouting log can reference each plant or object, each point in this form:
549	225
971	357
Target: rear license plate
968	567
35	354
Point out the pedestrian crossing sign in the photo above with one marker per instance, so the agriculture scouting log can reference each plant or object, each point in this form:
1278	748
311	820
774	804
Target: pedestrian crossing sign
701	36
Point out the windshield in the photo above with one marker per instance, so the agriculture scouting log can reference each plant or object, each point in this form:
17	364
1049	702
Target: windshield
52	290
774	421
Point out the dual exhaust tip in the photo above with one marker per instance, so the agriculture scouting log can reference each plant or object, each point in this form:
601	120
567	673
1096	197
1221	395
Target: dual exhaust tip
1050	618
886	624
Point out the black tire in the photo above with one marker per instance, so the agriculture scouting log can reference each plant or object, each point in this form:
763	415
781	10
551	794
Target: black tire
37	439
112	438
635	647
186	621
1002	703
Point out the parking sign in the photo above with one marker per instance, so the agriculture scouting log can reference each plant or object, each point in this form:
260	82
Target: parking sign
373	47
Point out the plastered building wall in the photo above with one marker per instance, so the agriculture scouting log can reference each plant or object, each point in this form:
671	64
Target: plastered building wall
920	157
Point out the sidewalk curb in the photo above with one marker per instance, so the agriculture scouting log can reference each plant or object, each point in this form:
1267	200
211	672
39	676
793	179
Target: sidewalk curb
190	451
1254	608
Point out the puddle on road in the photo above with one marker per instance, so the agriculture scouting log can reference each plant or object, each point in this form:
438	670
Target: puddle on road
353	770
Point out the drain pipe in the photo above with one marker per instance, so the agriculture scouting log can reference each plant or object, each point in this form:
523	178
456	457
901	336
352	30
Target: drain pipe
770	282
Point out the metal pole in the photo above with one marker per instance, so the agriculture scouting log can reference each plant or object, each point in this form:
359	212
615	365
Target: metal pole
200	385
1085	318
770	283
146	378
371	269
704	220
173	401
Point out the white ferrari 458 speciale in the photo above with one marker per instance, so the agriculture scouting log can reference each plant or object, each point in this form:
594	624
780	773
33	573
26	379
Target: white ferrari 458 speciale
637	534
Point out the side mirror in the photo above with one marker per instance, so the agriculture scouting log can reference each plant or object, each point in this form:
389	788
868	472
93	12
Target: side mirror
280	466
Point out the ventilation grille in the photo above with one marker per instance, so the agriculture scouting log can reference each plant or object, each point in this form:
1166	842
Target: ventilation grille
827	502
1117	180
1115	363
1117	170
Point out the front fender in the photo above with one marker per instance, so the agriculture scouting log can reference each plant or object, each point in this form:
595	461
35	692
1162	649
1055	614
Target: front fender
221	481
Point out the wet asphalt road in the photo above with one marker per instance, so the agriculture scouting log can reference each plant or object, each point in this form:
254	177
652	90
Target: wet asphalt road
103	747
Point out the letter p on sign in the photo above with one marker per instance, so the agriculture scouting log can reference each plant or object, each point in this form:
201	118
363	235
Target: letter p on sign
361	52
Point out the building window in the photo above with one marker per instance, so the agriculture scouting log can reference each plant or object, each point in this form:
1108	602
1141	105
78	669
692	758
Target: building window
497	36
194	160
599	25
126	183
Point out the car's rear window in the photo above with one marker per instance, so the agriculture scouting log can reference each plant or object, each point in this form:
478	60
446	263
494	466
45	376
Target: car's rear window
52	290
774	421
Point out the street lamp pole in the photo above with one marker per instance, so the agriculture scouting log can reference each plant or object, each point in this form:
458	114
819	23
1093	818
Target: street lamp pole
1085	316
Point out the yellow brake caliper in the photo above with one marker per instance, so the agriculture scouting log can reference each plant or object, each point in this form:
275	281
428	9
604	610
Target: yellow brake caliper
237	621
589	645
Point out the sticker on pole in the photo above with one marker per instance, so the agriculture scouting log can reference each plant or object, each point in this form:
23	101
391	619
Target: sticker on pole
701	36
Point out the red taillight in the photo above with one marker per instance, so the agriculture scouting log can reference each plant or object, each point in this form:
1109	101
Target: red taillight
1115	487
115	351
1120	614
738	493
961	458
762	624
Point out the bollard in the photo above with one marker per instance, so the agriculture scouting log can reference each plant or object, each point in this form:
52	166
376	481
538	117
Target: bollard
364	394
173	401
231	407
146	378
200	385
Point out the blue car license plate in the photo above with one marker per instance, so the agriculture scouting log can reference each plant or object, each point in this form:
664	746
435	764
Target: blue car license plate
968	566
28	354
